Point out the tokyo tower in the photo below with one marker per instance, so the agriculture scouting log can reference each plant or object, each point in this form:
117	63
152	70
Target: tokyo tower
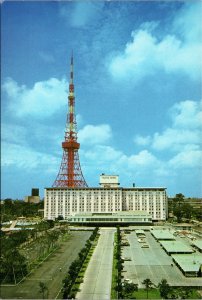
70	174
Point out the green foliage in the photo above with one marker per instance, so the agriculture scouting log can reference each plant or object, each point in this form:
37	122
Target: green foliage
117	266
164	288
128	289
42	289
10	210
153	294
148	285
50	223
185	292
44	225
164	291
13	266
74	276
59	218
114	271
183	210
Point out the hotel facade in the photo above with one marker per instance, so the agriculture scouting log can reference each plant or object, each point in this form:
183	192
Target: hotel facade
107	199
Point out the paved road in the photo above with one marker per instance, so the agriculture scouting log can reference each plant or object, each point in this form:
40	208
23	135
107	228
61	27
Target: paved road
97	280
49	271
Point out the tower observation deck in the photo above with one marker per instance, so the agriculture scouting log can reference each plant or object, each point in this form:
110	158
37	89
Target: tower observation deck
70	174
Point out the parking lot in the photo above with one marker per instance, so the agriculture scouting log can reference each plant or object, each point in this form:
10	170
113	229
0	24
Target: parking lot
51	272
153	263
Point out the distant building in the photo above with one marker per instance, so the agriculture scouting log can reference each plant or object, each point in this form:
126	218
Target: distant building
34	198
35	192
109	198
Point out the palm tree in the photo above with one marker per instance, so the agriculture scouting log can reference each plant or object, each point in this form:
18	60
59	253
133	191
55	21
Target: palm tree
177	209
148	284
42	289
164	288
15	264
129	288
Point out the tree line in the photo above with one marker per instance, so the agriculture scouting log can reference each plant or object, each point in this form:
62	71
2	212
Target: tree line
182	210
10	209
76	266
165	290
14	264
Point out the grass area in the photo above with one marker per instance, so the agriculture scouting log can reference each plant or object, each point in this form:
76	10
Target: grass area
114	271
142	294
65	237
154	294
195	295
34	263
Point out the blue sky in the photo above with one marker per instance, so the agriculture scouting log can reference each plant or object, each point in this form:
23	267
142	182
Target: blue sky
137	70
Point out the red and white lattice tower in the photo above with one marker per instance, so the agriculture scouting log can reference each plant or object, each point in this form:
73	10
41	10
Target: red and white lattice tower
70	174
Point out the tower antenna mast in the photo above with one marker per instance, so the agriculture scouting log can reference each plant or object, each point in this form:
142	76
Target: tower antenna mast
70	174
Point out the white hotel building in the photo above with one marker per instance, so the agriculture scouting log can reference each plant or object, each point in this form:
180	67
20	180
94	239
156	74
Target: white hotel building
139	204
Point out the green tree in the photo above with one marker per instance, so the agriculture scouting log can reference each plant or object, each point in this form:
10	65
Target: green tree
128	289
177	206
187	210
185	292
42	289
74	268
164	288
67	283
52	237
13	265
148	285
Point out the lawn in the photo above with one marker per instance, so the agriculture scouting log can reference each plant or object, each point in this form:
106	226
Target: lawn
154	294
142	294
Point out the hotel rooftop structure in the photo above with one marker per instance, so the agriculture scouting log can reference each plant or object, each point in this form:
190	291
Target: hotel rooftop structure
108	203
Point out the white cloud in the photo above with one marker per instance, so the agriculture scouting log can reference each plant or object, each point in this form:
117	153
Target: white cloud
15	134
106	159
184	132
83	13
187	114
143	158
91	134
42	100
146	54
188	158
102	155
27	158
20	135
175	139
141	140
106	156
179	145
46	57
186	129
188	21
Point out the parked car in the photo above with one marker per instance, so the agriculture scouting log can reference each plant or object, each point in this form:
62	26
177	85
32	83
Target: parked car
126	258
145	246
